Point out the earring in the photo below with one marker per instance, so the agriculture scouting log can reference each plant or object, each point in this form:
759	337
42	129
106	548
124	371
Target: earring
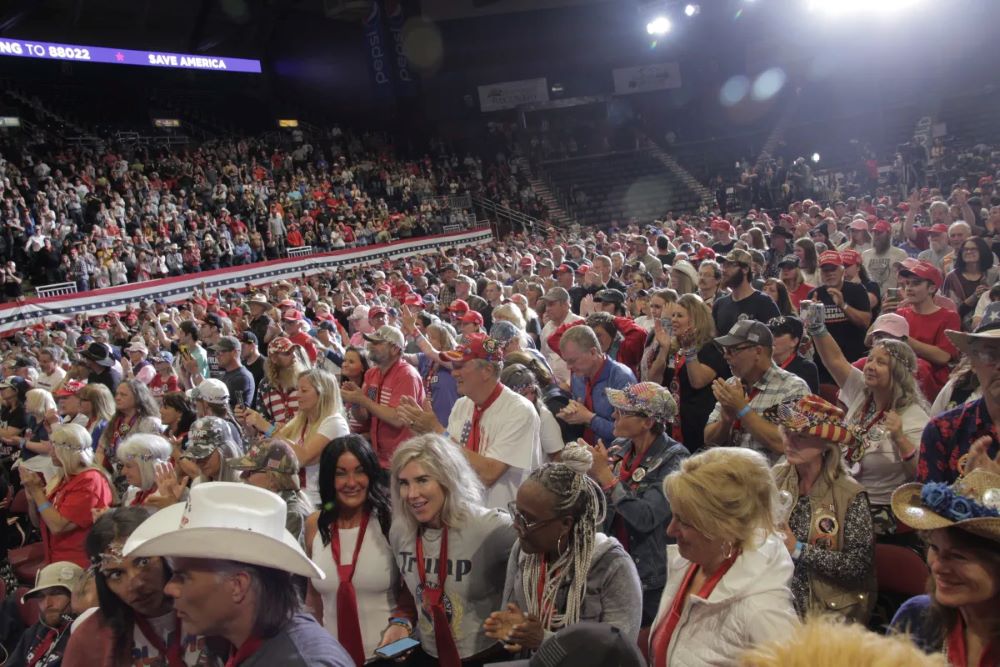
727	550
559	542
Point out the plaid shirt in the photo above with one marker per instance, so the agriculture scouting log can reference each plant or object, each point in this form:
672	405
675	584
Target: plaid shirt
774	386
944	445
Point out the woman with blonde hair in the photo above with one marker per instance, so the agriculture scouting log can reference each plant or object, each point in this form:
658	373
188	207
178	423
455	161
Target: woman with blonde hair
64	508
277	396
697	363
886	410
825	515
139	456
320	418
728	574
509	312
38	406
438	517
98	405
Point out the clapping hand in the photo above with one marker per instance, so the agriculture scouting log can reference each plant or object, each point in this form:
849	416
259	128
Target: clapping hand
169	489
516	630
979	457
418	418
576	413
730	395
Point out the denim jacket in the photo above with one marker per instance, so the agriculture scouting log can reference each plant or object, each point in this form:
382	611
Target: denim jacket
643	507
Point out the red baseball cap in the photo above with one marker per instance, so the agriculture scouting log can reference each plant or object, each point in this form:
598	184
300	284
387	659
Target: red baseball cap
858	225
458	306
938	229
527	262
705	253
473	317
831	257
582	269
413	300
564	269
292	315
286	303
417	271
882	227
923	270
850	257
477	346
375	311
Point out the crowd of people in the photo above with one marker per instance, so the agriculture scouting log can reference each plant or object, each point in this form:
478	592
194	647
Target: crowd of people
118	214
673	443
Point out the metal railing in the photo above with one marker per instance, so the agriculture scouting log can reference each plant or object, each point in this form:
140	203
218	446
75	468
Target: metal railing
463	201
507	220
55	289
300	251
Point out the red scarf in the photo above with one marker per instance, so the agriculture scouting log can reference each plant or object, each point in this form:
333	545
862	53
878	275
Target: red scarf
140	497
348	625
958	652
477	414
443	638
588	400
172	654
675	389
248	648
664	632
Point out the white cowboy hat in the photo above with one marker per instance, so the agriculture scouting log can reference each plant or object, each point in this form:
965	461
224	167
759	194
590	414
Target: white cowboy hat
225	521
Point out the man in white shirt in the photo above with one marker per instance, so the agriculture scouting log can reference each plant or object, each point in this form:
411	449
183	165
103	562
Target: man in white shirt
557	313
880	258
50	374
498	429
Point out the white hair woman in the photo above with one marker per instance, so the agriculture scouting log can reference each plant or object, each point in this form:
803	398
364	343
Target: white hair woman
562	570
438	519
728	573
63	509
887	411
39	405
138	455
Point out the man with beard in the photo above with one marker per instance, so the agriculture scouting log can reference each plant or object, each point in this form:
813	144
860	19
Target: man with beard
44	642
938	247
743	301
389	379
848	309
879	259
956	441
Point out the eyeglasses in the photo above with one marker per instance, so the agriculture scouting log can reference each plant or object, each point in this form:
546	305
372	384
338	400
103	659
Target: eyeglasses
733	351
521	524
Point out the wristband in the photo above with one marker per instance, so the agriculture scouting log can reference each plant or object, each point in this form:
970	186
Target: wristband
743	412
610	486
270	431
44	506
690	353
798	551
909	457
404	622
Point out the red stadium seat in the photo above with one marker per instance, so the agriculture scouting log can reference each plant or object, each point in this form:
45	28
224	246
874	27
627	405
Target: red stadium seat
26	561
28	610
19	505
900	570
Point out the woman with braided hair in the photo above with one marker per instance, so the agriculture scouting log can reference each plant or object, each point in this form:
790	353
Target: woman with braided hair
561	570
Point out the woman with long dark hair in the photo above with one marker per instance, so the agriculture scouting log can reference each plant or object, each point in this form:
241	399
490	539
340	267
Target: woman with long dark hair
135	622
348	538
136	411
805	250
973	274
177	415
353	370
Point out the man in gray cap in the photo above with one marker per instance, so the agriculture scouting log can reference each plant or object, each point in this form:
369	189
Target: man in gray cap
557	313
235	375
756	385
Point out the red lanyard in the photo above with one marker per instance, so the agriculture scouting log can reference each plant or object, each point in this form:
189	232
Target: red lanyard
958	655
788	362
42	649
544	612
626	470
433	597
348	625
248	648
588	398
477	414
171	654
664	632
140	497
738	424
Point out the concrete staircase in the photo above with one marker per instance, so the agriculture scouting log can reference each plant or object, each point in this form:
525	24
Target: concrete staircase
557	214
680	173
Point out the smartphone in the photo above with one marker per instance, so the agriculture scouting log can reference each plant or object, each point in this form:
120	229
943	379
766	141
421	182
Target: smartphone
397	648
893	293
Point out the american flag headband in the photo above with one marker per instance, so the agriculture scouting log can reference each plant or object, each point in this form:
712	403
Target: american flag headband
897	354
111	557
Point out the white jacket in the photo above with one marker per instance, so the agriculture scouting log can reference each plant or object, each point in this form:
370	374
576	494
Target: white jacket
751	604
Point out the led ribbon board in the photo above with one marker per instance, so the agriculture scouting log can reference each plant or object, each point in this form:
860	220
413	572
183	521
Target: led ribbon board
99	54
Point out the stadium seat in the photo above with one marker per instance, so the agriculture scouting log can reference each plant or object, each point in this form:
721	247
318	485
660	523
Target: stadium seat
900	570
27	610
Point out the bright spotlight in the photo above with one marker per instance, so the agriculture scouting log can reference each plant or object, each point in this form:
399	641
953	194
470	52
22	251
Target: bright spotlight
815	157
849	7
691	10
658	26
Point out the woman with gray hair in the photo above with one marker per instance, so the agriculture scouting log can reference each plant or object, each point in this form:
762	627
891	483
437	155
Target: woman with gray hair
439	520
64	508
562	570
520	379
887	412
138	456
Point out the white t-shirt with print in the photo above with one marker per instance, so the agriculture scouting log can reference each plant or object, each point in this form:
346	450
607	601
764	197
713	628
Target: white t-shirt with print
881	470
510	432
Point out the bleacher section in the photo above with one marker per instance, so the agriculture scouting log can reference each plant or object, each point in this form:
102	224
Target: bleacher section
618	187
